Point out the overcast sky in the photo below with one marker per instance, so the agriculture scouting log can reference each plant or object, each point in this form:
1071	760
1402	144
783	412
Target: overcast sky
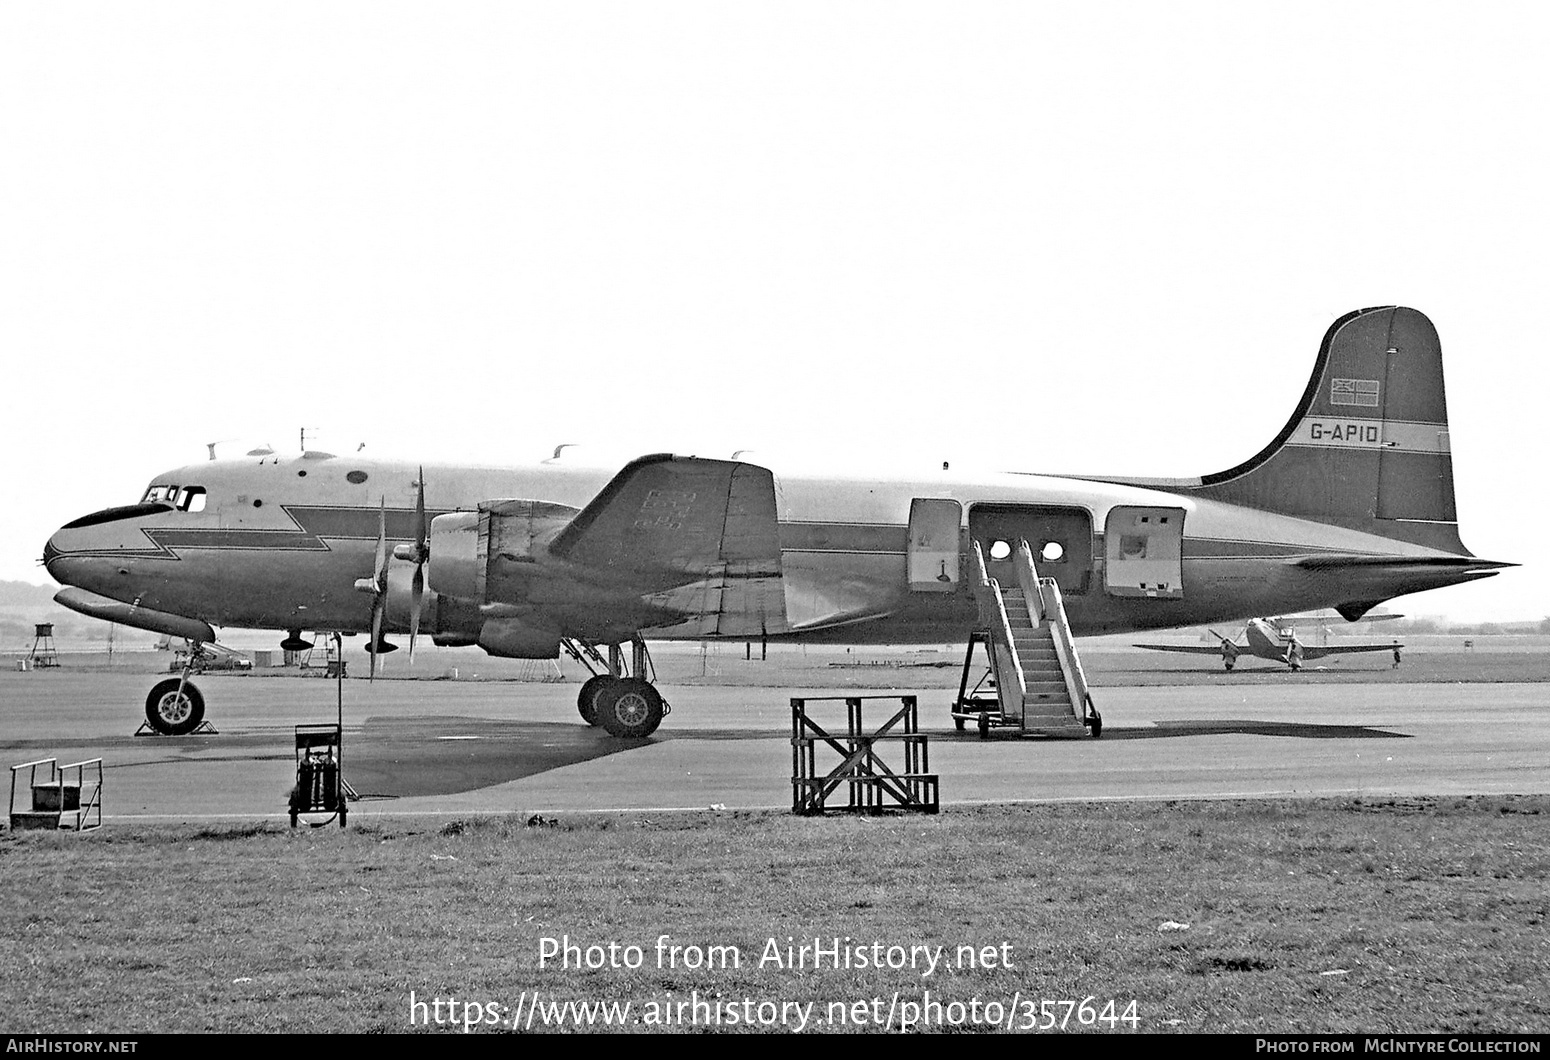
1033	236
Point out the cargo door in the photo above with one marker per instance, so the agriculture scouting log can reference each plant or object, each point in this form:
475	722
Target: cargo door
935	528
1144	552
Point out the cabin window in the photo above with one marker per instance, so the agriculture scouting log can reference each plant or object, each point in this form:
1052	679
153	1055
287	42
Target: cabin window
1052	552
1000	550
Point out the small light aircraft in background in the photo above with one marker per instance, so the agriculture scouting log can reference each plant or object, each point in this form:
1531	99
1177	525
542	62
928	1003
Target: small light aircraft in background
1275	639
1349	505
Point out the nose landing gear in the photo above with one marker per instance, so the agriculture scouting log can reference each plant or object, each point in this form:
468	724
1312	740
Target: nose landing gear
175	707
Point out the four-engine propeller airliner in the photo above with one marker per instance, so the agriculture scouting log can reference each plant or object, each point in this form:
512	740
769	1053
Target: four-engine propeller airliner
1350	505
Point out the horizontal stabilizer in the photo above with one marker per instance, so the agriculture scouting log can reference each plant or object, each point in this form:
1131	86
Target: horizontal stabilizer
1465	565
1370	580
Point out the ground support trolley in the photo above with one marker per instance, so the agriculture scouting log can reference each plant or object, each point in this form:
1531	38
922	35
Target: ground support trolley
320	784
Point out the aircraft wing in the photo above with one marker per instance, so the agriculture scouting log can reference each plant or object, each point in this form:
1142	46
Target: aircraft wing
695	538
684	515
1310	654
1189	649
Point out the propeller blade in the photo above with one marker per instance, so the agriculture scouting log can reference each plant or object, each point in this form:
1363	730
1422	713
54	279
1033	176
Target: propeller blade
377	607
421	529
379	571
416	593
422	552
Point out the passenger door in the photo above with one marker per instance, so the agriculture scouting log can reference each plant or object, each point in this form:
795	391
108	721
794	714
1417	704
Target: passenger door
1061	539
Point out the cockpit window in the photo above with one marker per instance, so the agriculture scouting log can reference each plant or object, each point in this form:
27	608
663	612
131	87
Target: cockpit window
183	498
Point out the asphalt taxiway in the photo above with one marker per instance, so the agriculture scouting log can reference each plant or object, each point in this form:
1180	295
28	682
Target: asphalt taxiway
461	747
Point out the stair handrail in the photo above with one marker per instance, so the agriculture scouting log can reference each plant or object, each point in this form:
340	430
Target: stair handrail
982	593
1065	646
1028	581
86	806
33	777
1004	626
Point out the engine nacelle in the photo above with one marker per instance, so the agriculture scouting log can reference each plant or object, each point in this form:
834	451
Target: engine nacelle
511	638
472	552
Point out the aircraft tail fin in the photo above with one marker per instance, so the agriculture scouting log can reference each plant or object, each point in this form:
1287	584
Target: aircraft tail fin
1367	446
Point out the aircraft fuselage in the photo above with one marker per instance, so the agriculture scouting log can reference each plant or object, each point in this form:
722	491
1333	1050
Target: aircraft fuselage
280	543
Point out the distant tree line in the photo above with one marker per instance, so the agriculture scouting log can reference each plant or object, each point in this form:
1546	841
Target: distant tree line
1474	629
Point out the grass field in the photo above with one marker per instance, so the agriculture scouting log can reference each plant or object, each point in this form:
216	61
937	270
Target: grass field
1269	916
1288	916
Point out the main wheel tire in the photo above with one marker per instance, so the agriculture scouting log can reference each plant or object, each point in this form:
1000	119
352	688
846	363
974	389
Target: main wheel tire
630	708
586	699
171	713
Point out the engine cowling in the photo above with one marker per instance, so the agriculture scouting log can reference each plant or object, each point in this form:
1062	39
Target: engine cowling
473	557
453	566
470	549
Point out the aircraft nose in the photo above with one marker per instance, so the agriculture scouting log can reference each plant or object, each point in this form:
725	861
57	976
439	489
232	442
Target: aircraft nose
87	553
64	567
51	559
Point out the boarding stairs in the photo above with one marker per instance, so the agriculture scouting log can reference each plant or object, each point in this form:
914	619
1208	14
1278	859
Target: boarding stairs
62	797
1039	688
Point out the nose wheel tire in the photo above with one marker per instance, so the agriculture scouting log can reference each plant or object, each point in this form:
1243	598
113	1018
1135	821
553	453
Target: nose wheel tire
586	699
172	712
630	708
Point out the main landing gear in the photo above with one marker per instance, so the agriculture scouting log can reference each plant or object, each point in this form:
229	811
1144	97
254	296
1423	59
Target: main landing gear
628	707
